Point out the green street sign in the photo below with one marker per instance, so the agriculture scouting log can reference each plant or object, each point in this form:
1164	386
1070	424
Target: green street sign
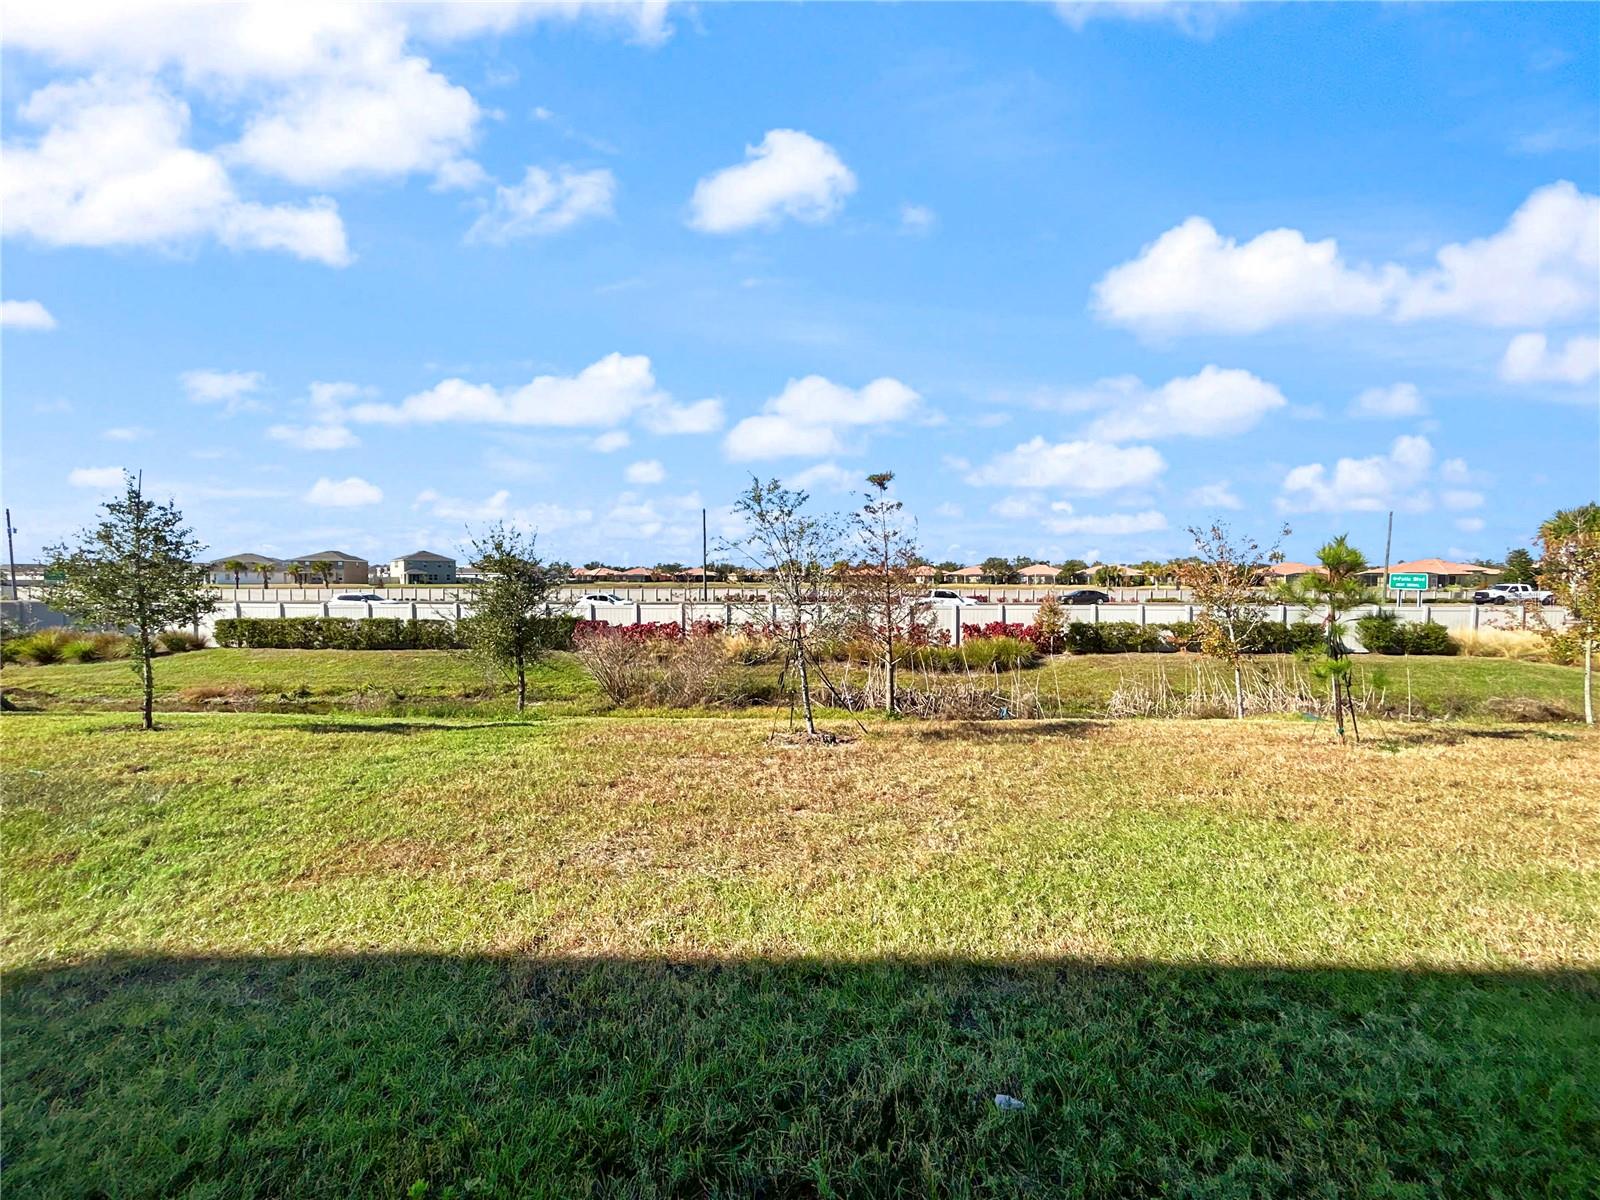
55	576
1408	583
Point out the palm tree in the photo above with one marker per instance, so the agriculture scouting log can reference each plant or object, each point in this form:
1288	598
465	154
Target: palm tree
1571	543
323	569
266	570
236	567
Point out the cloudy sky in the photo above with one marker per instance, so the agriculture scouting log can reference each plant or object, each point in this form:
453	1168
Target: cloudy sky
367	277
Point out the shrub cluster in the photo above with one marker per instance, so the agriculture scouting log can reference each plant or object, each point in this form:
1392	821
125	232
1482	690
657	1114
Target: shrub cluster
48	646
1129	637
1386	633
336	633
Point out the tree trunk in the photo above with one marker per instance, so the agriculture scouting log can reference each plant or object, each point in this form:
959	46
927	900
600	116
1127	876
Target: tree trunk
1588	681
522	686
1238	692
1338	708
888	681
147	671
805	691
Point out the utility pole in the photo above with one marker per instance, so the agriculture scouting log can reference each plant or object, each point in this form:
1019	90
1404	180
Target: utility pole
705	584
11	554
1388	541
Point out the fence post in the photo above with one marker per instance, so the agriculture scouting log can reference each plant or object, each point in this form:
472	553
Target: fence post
458	610
683	616
1002	614
1475	609
1283	615
1191	614
955	619
638	609
1095	620
413	610
1142	621
283	610
1427	614
369	610
727	616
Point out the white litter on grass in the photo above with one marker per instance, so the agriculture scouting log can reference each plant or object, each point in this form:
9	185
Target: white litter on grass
1007	1103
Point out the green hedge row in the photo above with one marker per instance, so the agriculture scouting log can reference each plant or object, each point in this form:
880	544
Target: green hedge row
1386	633
1128	637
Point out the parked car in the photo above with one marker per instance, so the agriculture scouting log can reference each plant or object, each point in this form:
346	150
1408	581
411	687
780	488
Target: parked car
363	598
1512	593
1086	596
945	596
581	604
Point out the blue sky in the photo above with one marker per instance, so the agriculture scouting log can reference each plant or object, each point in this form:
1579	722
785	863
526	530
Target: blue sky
1080	276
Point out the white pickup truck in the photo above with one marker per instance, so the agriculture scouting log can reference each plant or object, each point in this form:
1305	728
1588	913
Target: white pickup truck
1512	593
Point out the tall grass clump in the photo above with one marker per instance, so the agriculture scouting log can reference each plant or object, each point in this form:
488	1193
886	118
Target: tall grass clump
46	646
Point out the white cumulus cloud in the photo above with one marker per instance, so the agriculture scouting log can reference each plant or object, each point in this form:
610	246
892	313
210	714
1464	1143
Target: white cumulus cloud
606	393
1396	479
25	314
1544	265
812	417
1529	358
353	492
111	169
790	174
1216	402
645	471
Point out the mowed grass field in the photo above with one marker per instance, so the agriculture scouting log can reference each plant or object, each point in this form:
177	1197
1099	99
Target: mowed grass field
333	955
420	682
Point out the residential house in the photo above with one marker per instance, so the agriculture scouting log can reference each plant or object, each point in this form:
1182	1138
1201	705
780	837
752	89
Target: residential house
1441	572
1288	572
637	574
343	568
966	575
1038	573
218	571
422	566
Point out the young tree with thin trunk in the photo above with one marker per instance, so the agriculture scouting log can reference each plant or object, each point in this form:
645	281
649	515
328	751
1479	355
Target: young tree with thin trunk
510	627
1223	579
796	549
881	584
1571	568
1338	588
137	571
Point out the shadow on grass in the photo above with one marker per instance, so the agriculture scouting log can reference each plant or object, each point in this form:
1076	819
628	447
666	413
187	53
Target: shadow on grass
1004	730
334	1076
356	725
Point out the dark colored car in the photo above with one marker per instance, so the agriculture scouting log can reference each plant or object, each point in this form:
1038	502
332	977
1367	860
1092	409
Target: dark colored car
1086	596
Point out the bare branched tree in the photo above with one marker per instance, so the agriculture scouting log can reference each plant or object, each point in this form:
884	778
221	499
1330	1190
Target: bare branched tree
1224	579
881	583
797	550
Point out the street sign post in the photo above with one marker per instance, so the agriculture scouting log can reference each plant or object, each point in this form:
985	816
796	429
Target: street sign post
1409	581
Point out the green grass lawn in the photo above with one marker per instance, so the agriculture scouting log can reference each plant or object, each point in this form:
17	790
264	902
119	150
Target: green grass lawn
331	955
424	682
338	677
